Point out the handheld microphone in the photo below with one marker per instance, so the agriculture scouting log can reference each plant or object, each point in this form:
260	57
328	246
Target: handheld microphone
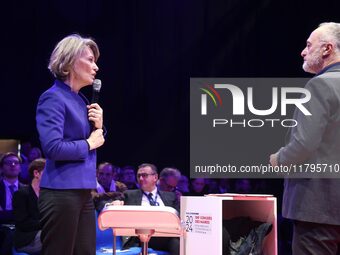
97	84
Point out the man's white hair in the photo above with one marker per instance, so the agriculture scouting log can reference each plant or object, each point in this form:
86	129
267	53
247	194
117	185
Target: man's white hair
331	33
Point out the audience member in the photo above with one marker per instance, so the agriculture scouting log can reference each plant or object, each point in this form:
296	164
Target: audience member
168	180
106	174
150	195
197	187
33	153
243	186
10	165
117	173
128	177
183	184
26	213
212	186
259	186
223	186
108	189
24	150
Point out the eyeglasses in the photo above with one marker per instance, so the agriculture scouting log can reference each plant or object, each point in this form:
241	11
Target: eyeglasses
144	175
11	162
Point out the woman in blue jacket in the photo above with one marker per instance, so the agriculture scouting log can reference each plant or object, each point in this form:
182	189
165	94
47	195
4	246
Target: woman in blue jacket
70	130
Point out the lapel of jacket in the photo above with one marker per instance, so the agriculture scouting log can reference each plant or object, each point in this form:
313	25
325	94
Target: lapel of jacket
32	196
139	197
2	195
164	198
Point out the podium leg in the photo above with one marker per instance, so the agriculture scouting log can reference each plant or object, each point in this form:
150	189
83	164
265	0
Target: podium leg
114	243
182	246
145	246
144	236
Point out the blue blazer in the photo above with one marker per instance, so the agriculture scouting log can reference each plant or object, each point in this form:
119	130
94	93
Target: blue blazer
63	127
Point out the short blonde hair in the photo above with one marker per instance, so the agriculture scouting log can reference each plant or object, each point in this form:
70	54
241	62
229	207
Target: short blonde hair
66	52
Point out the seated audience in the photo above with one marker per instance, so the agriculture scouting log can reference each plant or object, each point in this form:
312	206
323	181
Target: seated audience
150	195
116	173
108	189
26	213
128	177
197	187
212	185
224	186
168	180
24	151
33	153
106	174
10	166
243	186
183	184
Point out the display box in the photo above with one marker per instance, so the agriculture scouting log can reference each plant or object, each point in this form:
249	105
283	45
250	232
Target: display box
204	216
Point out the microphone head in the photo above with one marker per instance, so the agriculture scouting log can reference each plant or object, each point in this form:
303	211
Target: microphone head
97	84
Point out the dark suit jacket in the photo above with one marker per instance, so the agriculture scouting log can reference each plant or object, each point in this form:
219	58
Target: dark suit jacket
26	215
6	216
315	140
134	197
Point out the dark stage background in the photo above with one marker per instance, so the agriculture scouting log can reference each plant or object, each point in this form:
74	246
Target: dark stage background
149	50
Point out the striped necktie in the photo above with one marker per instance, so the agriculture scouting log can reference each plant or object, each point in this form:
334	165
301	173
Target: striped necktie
152	201
12	189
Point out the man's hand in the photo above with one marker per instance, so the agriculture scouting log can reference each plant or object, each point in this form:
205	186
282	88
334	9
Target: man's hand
273	159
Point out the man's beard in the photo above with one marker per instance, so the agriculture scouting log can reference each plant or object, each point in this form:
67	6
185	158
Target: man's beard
314	63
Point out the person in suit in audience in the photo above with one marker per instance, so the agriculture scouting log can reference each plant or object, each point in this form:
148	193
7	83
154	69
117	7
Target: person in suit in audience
183	184
26	213
128	177
10	166
147	178
108	189
168	180
106	173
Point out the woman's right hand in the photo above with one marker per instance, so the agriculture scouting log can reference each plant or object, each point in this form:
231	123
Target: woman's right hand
96	139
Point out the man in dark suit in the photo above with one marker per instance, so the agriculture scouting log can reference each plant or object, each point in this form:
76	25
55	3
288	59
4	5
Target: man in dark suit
26	212
314	203
149	195
10	166
108	189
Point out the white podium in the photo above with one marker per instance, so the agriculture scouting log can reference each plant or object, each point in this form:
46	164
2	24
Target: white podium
203	218
141	221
